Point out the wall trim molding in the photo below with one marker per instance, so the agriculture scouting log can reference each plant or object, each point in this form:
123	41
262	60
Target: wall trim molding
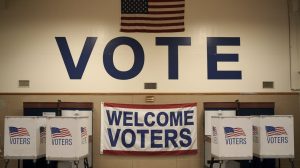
145	93
59	105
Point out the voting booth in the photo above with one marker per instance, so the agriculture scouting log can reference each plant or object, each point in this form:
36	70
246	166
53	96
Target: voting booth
273	136
67	138
79	113
231	138
207	144
24	137
210	113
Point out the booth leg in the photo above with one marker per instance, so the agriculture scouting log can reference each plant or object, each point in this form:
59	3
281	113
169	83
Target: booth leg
86	163
6	163
76	162
220	163
253	163
212	162
292	163
34	163
48	164
261	163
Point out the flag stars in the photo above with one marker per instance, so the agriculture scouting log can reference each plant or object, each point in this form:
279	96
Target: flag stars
134	6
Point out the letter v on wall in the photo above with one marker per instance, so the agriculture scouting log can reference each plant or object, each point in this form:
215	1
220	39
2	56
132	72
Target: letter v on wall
76	72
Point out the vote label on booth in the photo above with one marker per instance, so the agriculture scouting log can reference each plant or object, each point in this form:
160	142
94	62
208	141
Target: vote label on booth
148	129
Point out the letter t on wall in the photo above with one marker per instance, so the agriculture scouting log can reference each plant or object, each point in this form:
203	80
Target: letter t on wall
173	43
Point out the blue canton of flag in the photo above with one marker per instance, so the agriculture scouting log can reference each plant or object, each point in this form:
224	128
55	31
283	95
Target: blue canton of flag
134	6
233	132
273	131
14	132
152	16
60	132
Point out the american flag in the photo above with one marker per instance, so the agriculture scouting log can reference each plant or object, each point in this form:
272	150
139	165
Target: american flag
83	131
152	16
272	131
254	130
42	132
60	132
14	132
214	131
233	132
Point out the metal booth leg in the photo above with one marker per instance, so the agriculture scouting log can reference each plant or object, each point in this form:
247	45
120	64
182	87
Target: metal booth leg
250	163
48	164
6	162
220	163
86	163
34	163
261	163
212	162
292	163
76	162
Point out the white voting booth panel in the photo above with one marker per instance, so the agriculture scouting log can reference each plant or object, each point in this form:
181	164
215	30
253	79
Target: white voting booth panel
24	137
225	164
209	113
67	138
231	138
273	136
80	113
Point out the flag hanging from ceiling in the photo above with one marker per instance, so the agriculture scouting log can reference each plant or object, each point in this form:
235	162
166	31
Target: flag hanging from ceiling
152	16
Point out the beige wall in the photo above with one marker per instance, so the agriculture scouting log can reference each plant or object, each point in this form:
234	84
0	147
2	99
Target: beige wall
284	104
294	14
29	50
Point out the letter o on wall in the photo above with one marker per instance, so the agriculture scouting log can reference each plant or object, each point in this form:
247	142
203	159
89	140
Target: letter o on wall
138	58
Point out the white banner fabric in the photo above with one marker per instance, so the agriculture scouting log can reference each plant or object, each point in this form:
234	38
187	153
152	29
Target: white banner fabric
132	129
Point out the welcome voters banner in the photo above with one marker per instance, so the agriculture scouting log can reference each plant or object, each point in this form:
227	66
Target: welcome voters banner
132	129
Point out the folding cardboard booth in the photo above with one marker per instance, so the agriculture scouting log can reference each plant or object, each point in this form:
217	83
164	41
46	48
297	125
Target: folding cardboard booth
24	137
67	138
273	136
231	138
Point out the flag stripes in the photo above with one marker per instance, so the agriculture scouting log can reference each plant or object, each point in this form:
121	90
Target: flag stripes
42	132
214	131
126	19
254	130
166	6
151	24
83	131
146	30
